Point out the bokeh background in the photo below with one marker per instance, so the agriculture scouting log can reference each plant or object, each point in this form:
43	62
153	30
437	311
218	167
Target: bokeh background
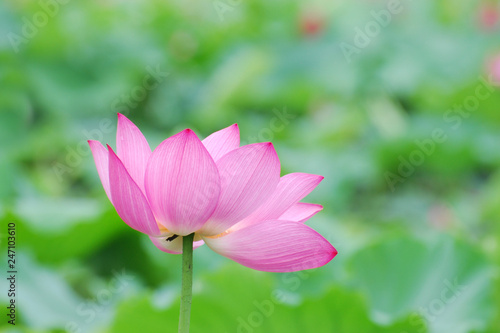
394	102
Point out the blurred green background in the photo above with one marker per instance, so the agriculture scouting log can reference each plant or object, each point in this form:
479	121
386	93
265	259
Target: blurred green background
392	101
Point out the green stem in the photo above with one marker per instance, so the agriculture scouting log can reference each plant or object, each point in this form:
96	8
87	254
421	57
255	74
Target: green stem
187	283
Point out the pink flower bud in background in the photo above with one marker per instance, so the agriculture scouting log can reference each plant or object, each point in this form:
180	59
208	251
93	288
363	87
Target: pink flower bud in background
311	24
494	68
489	16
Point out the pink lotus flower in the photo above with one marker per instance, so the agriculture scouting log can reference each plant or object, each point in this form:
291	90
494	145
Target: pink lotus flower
231	197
